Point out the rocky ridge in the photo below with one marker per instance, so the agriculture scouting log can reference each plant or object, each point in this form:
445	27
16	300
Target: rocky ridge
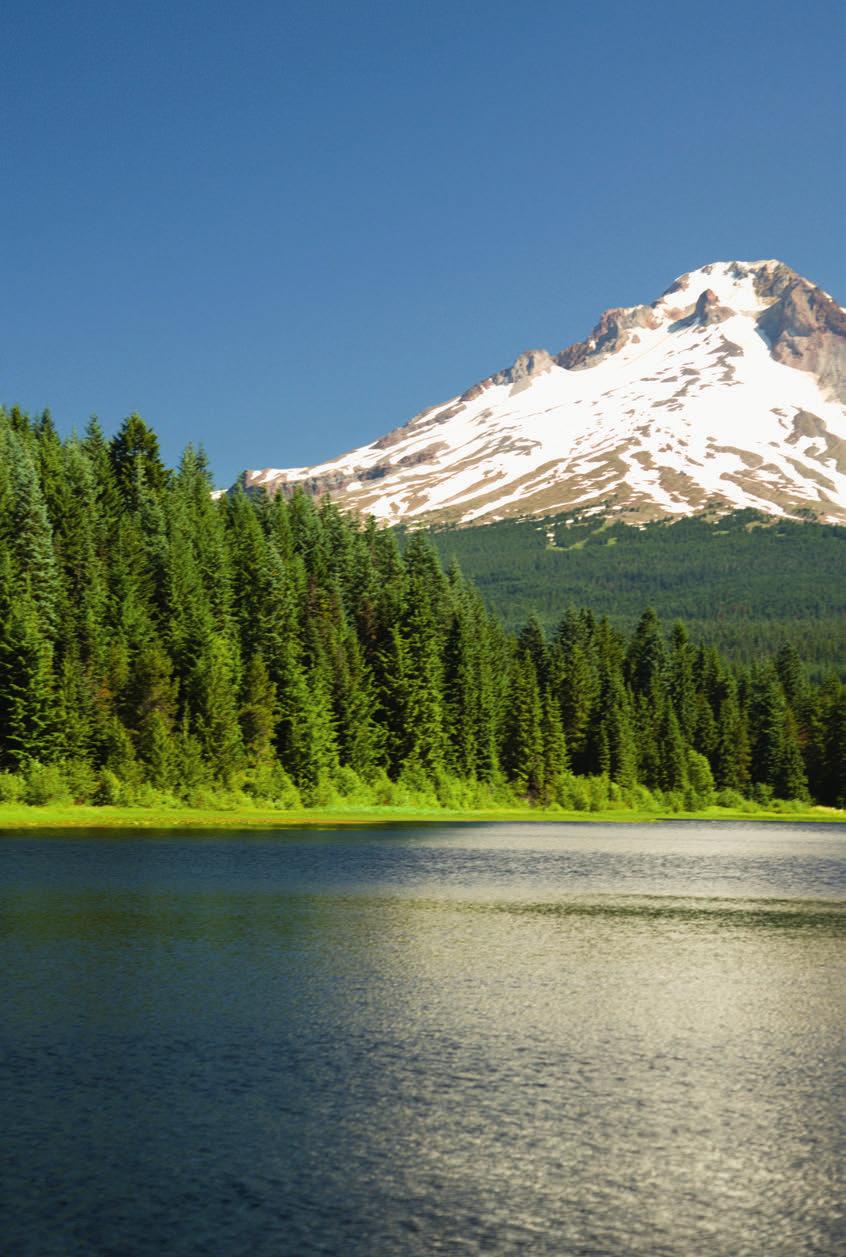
728	391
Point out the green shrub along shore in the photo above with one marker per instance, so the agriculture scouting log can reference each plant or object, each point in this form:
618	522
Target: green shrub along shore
167	655
45	799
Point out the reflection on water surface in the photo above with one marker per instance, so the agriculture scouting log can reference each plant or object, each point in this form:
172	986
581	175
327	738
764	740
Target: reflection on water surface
458	1039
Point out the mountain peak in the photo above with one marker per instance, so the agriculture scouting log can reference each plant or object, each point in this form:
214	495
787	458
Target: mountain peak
727	391
743	286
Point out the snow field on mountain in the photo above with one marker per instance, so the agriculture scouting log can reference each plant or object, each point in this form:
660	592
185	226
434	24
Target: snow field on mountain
673	416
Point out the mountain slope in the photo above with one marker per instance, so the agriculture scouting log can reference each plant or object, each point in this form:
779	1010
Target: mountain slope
741	586
727	392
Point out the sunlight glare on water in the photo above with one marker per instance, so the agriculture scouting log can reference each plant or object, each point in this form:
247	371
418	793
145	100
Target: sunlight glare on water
539	1039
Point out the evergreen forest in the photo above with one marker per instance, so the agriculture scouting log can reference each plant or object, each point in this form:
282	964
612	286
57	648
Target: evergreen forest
161	643
746	583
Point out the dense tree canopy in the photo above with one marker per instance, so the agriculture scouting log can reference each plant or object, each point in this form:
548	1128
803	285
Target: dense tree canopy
746	583
156	642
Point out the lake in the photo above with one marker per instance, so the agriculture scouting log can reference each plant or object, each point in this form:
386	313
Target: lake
580	1040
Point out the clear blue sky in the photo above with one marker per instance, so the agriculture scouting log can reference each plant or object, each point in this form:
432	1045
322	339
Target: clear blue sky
281	229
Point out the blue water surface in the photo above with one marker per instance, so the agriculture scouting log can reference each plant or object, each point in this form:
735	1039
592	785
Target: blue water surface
457	1039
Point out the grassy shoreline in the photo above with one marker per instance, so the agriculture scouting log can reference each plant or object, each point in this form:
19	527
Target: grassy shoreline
80	816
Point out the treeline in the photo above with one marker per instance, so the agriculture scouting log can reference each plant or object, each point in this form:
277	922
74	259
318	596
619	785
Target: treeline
746	583
159	645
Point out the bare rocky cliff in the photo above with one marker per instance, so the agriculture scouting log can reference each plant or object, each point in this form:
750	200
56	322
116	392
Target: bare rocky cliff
806	329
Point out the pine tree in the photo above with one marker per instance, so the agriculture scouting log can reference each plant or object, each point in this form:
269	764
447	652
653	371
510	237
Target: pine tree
555	759
706	728
622	749
78	717
833	773
788	666
30	537
674	759
392	683
647	722
767	719
524	757
423	605
574	677
646	660
160	753
48	460
212	695
83	570
461	693
259	714
731	755
196	511
148	704
134	456
531	642
792	782
491	691
106	489
29	708
682	689
354	704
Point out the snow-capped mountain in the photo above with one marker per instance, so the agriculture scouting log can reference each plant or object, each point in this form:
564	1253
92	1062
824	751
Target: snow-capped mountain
729	391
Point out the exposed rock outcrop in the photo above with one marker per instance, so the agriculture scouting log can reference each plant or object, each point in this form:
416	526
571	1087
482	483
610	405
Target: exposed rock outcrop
708	309
527	365
614	329
807	329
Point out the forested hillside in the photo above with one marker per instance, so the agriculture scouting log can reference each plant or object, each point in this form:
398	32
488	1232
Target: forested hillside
156	643
744	583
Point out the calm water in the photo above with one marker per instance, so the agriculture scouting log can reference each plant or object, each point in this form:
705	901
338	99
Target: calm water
545	1039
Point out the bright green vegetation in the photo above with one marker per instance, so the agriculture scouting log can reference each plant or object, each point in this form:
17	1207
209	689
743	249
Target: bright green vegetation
743	584
160	649
86	816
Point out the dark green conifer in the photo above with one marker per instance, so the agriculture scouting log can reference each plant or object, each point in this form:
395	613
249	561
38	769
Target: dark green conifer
555	758
792	781
423	634
673	756
833	758
30	727
574	676
259	714
731	754
646	660
767	716
135	459
524	758
682	689
532	642
30	537
212	694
